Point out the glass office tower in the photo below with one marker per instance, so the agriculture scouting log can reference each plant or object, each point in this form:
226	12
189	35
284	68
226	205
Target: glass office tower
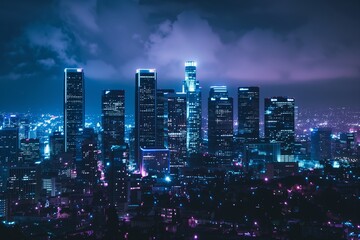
248	114
113	120
145	110
193	97
74	107
220	124
280	124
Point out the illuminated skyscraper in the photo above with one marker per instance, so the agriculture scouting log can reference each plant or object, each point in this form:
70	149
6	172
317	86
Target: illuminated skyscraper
56	145
220	124
113	119
145	110
9	146
193	97
279	124
74	107
248	114
177	130
162	117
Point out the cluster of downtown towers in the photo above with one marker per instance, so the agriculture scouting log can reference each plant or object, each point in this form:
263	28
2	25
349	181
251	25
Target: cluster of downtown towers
168	124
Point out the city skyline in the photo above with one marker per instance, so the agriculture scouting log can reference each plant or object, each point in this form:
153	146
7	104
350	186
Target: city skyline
285	49
165	119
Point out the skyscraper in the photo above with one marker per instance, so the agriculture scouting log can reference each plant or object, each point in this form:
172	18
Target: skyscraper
162	117
9	146
74	107
22	182
193	97
321	144
145	110
248	114
177	130
220	124
87	167
117	176
56	145
113	119
279	124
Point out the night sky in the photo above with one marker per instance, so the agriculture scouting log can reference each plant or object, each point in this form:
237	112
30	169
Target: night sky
309	50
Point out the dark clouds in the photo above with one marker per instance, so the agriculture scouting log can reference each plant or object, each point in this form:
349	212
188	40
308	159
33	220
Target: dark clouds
276	44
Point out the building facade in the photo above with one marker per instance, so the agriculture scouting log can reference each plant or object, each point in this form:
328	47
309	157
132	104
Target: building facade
74	107
248	114
280	124
220	124
113	120
145	110
177	130
194	119
321	144
117	176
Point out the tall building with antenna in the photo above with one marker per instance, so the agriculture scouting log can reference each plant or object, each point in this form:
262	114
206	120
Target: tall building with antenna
193	111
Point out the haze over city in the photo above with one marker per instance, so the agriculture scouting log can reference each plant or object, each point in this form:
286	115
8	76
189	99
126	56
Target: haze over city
307	50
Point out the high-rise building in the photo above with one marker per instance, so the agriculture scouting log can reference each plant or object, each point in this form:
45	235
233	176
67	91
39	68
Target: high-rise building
193	97
49	185
113	120
22	183
321	144
177	130
346	146
24	128
117	176
11	121
162	117
9	146
74	107
3	206
87	167
220	124
145	110
30	150
248	114
279	124
56	145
